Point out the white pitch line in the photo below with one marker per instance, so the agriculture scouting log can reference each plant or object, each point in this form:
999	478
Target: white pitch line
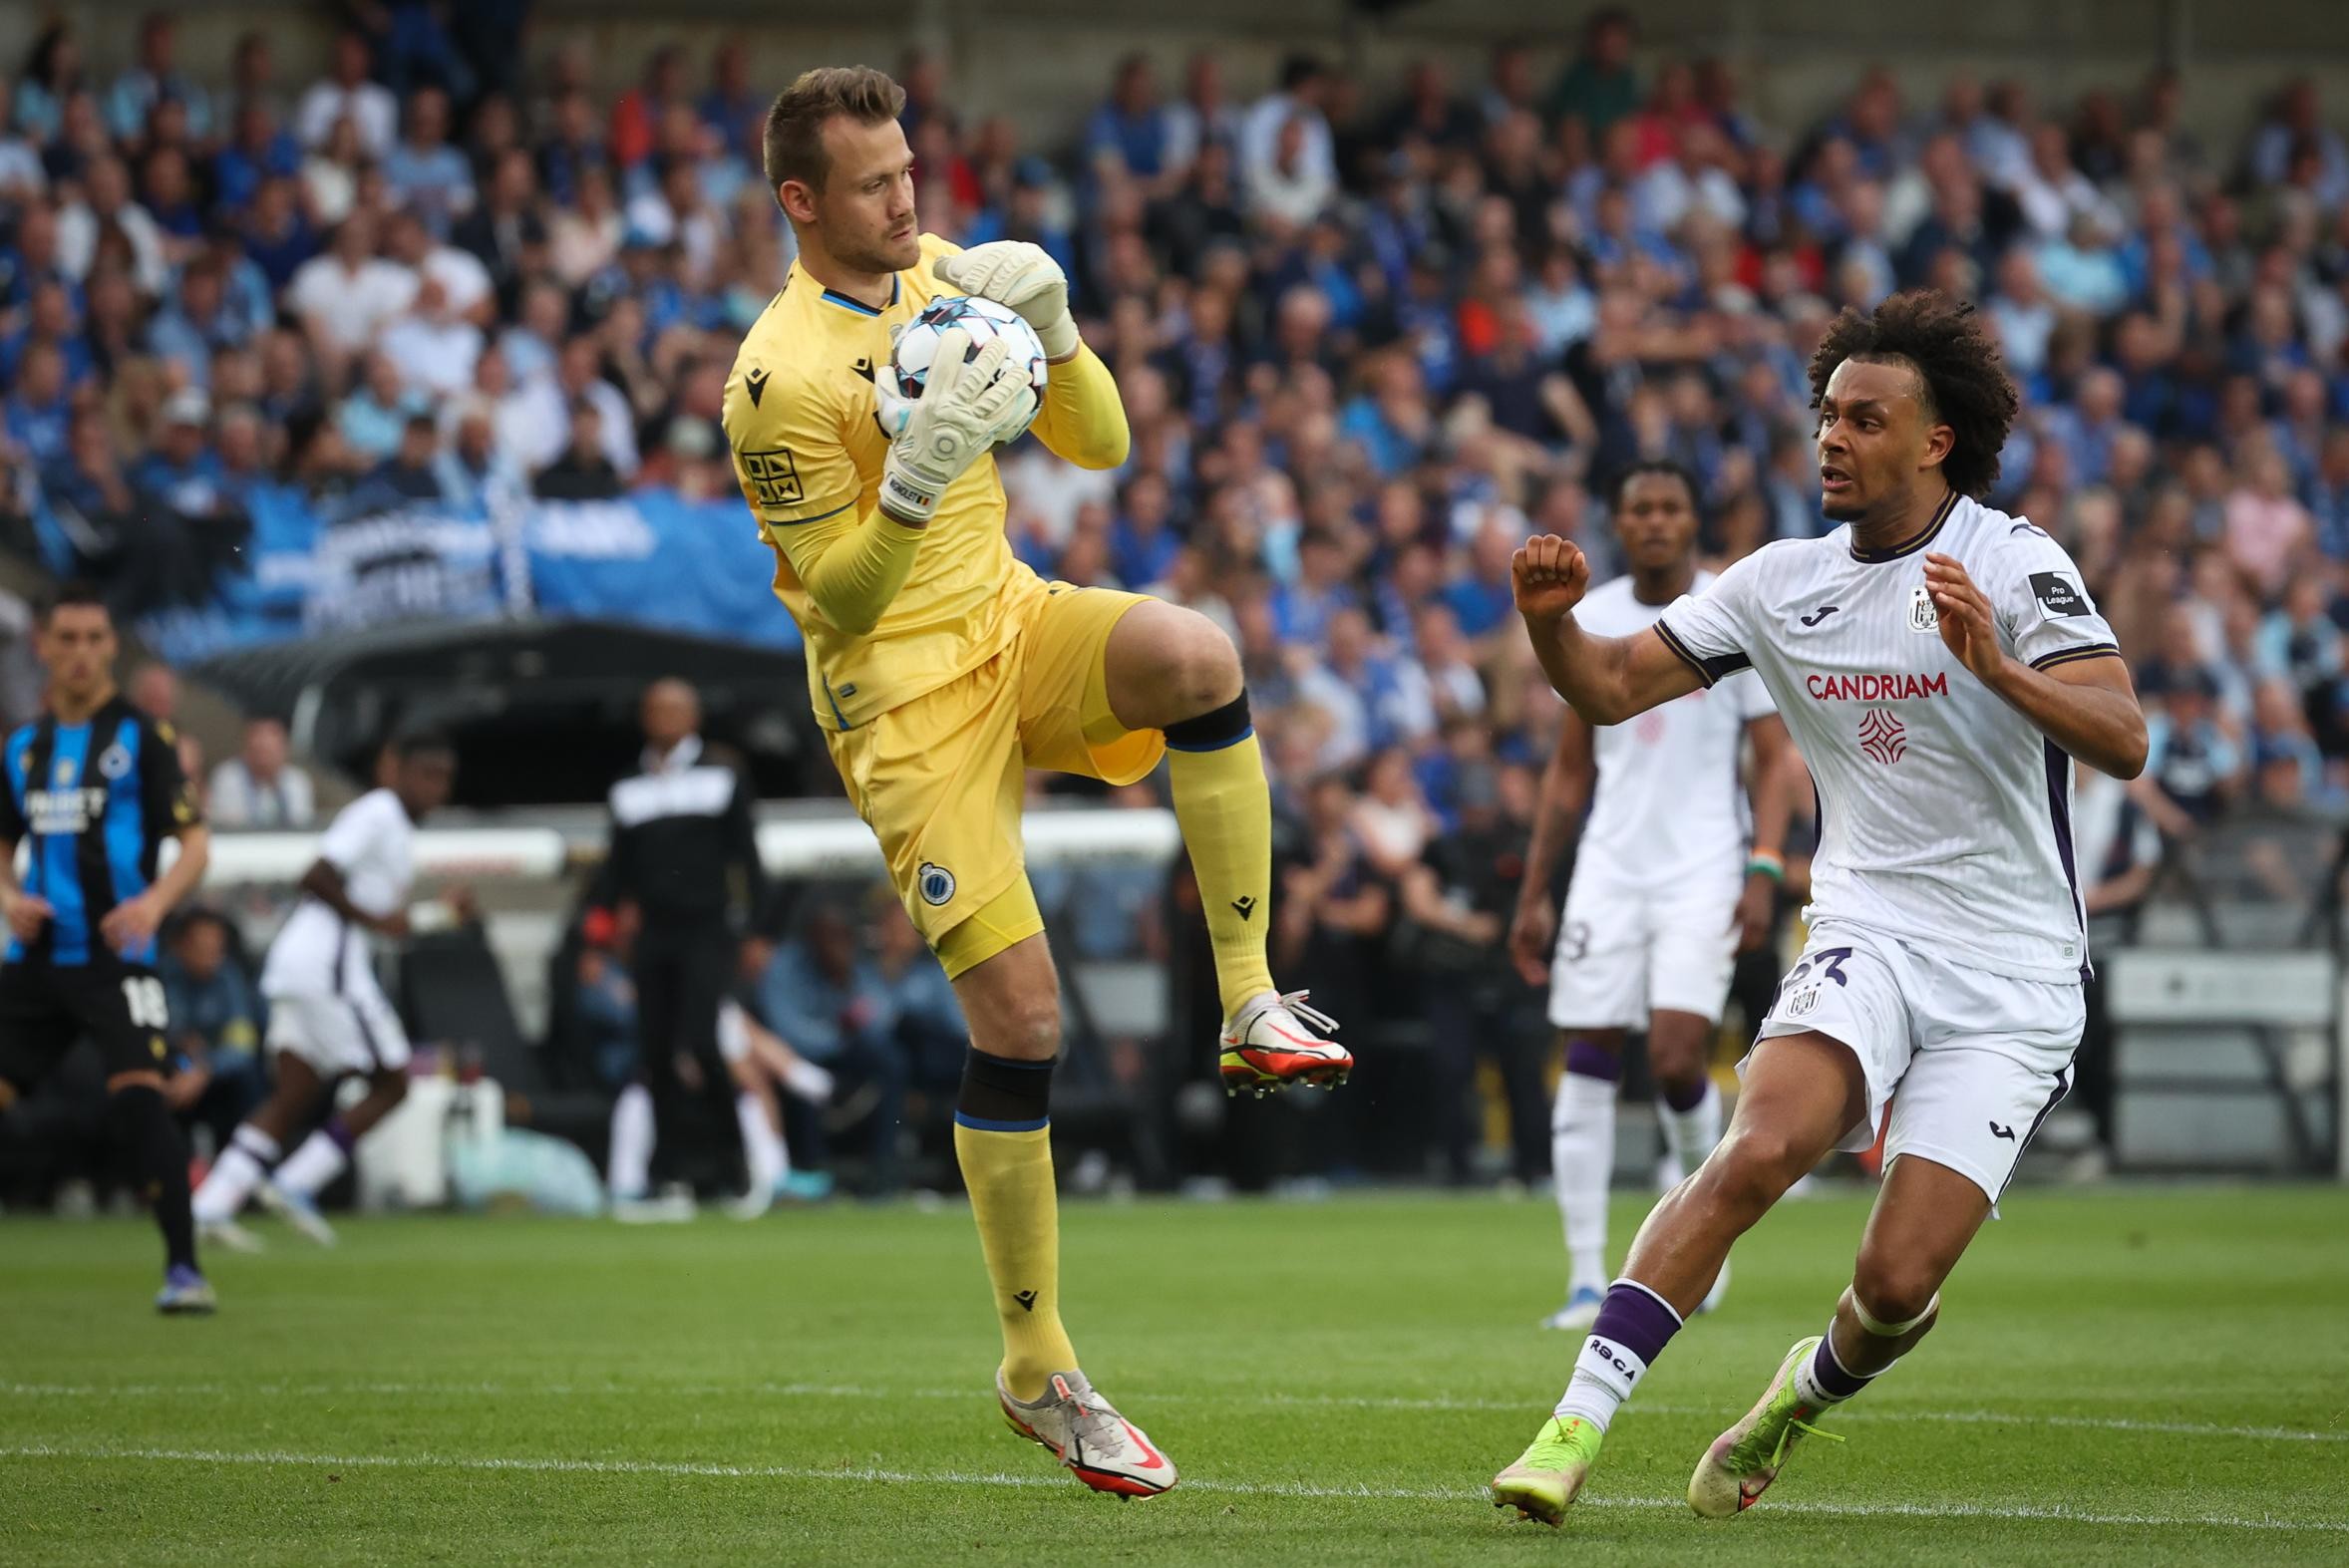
868	1474
837	1391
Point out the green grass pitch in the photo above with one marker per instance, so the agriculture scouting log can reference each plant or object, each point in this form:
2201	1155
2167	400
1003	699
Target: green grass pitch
2129	1377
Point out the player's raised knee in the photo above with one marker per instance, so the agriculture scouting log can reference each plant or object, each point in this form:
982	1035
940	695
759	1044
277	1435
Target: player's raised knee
1023	1027
1201	665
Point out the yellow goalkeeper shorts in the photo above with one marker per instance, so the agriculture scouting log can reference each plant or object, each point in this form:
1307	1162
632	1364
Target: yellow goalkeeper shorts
941	778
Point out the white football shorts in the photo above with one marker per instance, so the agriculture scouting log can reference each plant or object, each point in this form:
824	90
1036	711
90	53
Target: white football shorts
1971	1062
1624	953
350	1030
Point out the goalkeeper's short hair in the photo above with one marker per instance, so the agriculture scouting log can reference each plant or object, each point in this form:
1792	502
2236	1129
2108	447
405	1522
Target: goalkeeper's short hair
794	142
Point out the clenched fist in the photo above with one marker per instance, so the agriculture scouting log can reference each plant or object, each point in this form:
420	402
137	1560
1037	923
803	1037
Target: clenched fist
1548	576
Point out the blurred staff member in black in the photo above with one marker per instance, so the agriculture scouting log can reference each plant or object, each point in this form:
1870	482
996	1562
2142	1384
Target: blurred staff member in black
1456	903
95	787
685	853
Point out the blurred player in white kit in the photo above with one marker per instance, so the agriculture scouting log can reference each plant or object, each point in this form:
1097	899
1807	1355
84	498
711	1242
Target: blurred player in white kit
328	1015
1674	876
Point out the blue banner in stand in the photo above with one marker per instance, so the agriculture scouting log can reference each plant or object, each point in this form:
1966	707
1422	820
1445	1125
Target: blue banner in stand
656	560
649	558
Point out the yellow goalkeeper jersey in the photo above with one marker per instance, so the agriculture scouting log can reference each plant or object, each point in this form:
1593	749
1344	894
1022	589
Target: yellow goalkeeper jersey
808	450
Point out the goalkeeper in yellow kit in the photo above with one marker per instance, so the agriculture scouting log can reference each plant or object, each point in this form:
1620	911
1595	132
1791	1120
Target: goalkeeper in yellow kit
942	669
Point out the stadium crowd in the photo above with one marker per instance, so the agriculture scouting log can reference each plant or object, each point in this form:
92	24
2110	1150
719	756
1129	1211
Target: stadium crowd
1369	336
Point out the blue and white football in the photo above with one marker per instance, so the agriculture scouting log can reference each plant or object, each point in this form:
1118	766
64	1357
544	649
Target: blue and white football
915	347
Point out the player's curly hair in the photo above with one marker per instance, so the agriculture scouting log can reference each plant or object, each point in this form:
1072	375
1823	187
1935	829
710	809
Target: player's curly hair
1957	362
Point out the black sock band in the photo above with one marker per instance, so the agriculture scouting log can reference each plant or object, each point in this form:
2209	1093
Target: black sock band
1000	1094
1211	732
156	1155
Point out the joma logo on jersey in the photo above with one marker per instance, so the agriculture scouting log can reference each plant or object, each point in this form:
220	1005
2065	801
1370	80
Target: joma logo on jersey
774	477
1874	688
64	811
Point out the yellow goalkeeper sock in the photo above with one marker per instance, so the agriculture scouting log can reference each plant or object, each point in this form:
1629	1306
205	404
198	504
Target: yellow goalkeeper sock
1003	1141
1224	809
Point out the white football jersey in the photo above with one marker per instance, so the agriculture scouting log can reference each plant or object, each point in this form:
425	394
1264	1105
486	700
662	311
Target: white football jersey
1669	806
1946	814
373	843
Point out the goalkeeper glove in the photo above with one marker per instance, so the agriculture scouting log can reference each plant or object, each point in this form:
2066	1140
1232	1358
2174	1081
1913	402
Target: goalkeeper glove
1015	273
965	409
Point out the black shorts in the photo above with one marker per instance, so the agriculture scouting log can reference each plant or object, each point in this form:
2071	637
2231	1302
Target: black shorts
46	1009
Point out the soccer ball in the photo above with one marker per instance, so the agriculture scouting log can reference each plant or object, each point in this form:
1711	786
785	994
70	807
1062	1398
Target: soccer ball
916	346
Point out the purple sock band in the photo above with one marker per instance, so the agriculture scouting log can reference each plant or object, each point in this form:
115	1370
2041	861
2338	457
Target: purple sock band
1829	1373
1585	1060
340	1131
1686	1097
1637	1319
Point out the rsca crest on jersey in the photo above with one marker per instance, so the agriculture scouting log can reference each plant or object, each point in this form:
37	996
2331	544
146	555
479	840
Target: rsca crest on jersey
1881	736
1921	615
935	881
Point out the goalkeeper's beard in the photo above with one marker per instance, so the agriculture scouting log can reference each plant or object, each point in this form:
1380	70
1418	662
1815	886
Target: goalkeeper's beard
884	256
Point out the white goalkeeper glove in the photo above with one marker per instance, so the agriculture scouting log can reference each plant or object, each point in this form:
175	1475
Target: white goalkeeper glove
1015	273
965	409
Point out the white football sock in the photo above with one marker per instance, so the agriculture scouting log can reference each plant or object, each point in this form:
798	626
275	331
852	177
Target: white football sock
1582	1159
762	1146
319	1162
807	1081
1689	1135
632	1134
240	1170
1604	1376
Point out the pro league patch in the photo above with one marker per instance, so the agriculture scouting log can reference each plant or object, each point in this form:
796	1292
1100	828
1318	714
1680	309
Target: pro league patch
2057	594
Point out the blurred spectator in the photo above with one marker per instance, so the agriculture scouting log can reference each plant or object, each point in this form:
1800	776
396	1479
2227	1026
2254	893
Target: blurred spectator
155	692
1132	127
215	1028
21	677
102	207
471	468
1287	156
835	1007
1599	87
432	347
347	94
426	175
1392	821
155	80
345	296
2196	767
1334	909
412	472
259	786
581	471
1202	117
2266	527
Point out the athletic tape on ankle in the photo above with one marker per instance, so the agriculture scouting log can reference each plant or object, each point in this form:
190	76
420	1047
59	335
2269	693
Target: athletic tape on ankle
1891	1331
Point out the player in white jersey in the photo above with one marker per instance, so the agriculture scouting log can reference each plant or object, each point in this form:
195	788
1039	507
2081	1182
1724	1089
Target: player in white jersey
1665	893
328	1018
1935	661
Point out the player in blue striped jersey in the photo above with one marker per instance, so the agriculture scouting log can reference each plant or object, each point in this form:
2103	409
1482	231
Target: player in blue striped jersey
92	790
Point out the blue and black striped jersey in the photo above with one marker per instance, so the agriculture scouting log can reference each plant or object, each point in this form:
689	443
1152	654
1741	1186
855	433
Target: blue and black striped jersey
96	801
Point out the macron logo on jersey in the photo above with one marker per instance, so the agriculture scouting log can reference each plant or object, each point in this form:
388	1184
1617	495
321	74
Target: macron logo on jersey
1874	688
